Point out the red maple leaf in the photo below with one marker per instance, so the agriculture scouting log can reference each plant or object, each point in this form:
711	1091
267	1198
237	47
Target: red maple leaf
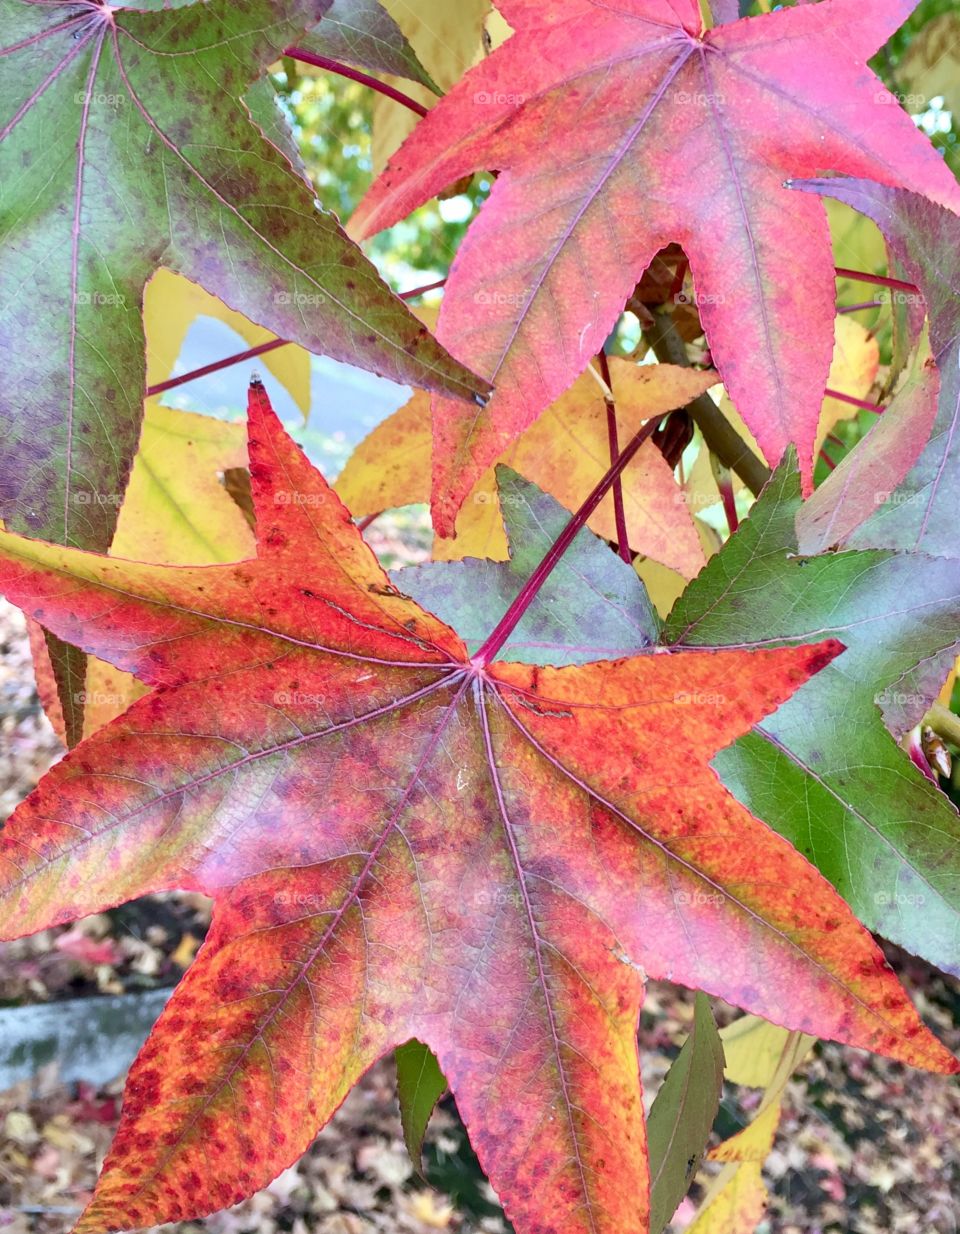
403	842
618	129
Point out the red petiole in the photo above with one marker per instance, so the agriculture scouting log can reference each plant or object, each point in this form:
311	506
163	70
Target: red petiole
528	591
854	402
259	350
365	79
619	513
864	276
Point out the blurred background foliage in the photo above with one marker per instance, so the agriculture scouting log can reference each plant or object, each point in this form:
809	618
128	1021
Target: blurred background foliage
333	120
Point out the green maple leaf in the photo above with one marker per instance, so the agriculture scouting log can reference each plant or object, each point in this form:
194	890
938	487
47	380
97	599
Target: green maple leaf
825	771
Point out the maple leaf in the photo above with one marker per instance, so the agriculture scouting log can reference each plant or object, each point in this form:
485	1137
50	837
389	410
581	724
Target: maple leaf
824	770
859	489
618	129
447	39
761	1055
912	507
126	146
406	842
683	1114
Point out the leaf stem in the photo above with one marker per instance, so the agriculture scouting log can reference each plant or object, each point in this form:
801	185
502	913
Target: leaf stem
215	367
856	308
619	513
854	402
259	350
864	276
729	500
365	79
528	591
421	291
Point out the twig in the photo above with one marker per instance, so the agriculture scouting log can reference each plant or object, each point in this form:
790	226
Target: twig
718	433
215	367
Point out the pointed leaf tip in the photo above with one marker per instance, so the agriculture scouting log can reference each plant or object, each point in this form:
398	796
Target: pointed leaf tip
823	654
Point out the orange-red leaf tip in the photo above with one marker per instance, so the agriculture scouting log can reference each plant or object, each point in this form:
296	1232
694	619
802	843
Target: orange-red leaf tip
822	654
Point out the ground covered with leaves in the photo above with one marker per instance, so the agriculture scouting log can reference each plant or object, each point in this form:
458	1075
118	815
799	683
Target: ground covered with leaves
864	1145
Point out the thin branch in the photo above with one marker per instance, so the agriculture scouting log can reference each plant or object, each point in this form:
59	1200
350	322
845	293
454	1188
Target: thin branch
365	79
619	514
528	591
718	433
